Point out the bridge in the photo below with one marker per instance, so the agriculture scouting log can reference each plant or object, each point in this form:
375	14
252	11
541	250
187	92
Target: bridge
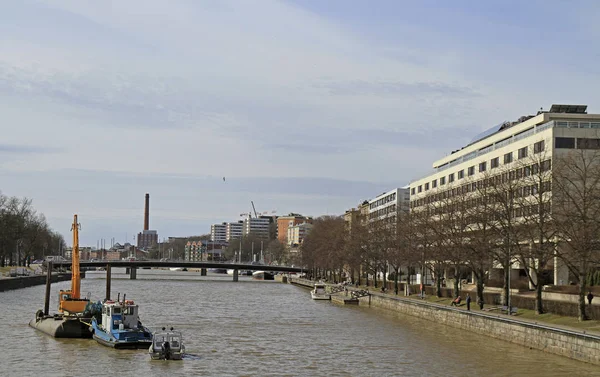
132	266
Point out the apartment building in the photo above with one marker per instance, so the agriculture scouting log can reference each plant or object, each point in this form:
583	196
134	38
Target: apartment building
234	231
389	204
218	233
284	222
515	150
297	233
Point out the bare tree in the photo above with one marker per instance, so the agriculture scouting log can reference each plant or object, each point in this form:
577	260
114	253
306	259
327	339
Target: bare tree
576	210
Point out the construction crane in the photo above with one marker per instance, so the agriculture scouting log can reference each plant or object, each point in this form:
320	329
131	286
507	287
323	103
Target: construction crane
254	209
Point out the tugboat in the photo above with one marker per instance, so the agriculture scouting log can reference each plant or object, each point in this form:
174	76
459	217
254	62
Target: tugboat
166	345
120	327
72	316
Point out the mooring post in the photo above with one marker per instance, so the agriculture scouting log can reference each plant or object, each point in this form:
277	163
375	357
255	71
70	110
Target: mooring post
203	272
107	282
235	275
48	283
132	273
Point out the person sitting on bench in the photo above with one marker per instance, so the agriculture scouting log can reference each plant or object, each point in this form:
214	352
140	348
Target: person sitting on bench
456	301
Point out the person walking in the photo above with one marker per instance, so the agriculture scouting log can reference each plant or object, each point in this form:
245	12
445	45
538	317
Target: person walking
468	302
590	297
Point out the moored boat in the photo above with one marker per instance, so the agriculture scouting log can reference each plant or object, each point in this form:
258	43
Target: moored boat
167	345
263	275
120	327
319	292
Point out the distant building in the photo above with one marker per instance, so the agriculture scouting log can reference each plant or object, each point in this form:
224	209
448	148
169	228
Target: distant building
84	253
284	222
357	215
218	232
297	233
234	230
258	227
202	251
147	238
389	204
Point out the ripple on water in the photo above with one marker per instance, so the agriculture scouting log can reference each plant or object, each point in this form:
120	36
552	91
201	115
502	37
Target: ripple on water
252	328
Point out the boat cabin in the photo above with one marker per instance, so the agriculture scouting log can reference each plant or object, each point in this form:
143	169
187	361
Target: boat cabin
320	288
68	304
172	337
119	315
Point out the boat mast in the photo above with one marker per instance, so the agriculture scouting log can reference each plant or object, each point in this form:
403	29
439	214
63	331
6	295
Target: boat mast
75	276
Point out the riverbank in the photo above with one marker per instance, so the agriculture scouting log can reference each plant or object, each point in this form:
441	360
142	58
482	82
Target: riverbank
10	283
569	342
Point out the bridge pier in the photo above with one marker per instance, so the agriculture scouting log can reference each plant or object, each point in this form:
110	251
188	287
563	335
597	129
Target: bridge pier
107	282
203	272
235	275
132	273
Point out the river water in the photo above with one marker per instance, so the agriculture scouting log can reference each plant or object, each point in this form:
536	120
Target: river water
252	328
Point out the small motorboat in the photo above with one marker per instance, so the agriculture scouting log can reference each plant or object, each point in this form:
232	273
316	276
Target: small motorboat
120	327
320	292
166	345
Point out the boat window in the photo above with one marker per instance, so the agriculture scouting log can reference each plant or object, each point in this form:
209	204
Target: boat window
116	310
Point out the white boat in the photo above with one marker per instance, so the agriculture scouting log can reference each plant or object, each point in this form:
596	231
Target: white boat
176	269
263	275
166	345
320	292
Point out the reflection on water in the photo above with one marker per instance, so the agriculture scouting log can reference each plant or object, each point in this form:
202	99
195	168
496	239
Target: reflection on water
260	328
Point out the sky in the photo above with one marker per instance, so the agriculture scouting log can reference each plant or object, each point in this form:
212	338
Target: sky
303	106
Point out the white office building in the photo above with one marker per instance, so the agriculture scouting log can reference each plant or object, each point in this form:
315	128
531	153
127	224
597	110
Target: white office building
218	233
257	226
234	230
388	204
511	152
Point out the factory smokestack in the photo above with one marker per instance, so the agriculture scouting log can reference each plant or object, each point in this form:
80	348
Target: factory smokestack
147	213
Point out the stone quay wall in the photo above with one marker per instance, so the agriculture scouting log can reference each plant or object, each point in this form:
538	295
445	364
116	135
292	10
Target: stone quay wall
8	284
569	343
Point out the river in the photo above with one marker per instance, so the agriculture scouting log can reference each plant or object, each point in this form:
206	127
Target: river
252	328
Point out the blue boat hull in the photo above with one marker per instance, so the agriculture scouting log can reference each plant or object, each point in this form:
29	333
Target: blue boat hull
123	339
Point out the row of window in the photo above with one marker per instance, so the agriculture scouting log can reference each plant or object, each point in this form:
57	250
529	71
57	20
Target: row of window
384	200
465	207
494	163
580	143
487	182
382	211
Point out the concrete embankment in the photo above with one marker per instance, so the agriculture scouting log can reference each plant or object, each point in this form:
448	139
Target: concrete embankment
8	284
570	343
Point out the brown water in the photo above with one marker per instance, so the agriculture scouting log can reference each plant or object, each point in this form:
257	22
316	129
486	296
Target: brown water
254	328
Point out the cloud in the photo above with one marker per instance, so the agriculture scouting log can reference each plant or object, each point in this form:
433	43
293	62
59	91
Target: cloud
27	149
398	89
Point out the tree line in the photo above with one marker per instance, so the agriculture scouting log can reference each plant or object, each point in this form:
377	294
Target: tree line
24	233
527	213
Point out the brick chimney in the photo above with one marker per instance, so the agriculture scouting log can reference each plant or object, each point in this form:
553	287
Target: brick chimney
147	213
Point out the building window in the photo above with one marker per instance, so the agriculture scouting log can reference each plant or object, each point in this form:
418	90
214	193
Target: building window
538	147
527	171
522	153
451	178
583	143
461	174
412	191
564	142
545	165
426	186
482	166
508	158
471	171
434	183
442	181
495	162
420	188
